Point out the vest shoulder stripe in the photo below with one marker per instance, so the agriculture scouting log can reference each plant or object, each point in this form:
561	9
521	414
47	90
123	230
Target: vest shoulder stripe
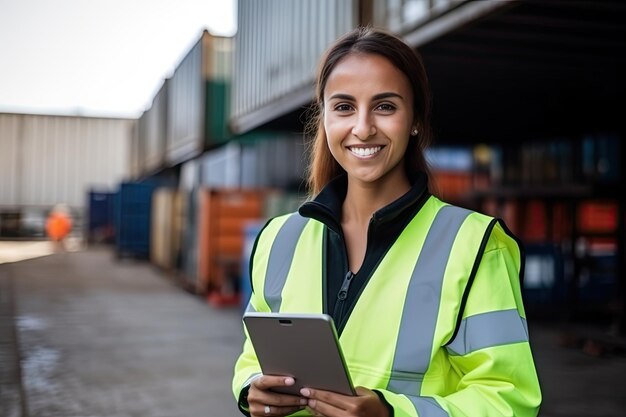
490	329
421	307
280	259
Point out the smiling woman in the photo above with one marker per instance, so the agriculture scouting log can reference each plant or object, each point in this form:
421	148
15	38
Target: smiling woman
426	296
368	114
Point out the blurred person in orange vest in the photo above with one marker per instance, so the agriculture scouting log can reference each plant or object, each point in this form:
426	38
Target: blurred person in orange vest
59	225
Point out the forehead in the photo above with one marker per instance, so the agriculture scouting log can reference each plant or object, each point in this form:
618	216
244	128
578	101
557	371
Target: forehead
366	73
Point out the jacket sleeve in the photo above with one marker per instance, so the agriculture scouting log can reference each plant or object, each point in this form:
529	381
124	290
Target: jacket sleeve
247	365
489	356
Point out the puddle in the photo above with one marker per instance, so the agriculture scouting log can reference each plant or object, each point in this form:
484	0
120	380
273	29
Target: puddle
31	323
38	367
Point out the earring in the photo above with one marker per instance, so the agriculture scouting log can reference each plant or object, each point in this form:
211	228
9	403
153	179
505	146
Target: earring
414	132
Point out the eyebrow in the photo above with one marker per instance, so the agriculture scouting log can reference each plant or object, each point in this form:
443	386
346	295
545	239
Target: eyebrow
379	96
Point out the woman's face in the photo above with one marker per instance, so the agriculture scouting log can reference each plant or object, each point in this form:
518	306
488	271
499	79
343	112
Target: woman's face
368	117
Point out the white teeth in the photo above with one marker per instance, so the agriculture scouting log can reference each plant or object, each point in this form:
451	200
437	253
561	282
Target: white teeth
365	151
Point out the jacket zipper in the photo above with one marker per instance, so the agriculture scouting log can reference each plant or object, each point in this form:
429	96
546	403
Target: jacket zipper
341	297
340	320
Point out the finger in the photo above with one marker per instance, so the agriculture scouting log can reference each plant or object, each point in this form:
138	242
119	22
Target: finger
338	400
256	396
260	410
268	381
321	408
267	397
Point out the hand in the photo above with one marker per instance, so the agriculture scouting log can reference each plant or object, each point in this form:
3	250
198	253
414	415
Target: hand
263	402
329	404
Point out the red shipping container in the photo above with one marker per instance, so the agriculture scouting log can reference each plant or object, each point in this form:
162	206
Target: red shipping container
222	216
597	216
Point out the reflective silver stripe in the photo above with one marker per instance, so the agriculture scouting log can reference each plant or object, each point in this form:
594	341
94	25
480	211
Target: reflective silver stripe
494	328
421	306
250	308
428	407
280	258
252	378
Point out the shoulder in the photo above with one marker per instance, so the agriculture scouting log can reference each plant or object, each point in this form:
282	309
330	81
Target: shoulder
467	220
283	223
491	232
285	229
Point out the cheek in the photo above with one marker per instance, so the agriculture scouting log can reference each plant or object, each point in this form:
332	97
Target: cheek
336	129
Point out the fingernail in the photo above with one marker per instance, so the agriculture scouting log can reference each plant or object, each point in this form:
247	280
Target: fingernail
304	401
312	403
290	381
305	392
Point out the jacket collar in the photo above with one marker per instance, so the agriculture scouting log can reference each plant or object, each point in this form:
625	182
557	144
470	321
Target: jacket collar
326	206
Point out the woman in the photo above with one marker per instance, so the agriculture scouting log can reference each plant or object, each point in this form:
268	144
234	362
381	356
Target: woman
425	296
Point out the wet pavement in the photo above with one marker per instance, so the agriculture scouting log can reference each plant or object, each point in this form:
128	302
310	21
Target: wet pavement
99	337
82	334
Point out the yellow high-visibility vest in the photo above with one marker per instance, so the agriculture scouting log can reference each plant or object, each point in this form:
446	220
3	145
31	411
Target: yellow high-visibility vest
439	329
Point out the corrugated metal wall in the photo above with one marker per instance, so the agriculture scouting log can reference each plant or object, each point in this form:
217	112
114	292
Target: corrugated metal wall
279	43
218	68
45	160
402	15
186	107
9	159
269	160
135	168
276	161
153	131
198	99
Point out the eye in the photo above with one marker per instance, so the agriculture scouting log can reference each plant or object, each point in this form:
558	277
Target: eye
386	107
343	107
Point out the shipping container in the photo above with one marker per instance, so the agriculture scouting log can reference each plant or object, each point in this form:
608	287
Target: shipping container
221	167
189	243
402	15
100	217
152	132
260	159
45	160
544	286
189	177
198	97
423	21
222	216
161	227
167	227
278	45
133	206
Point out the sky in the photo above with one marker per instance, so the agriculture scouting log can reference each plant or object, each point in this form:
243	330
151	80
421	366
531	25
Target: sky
104	58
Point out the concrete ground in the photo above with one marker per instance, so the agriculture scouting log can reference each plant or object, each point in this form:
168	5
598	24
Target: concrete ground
84	335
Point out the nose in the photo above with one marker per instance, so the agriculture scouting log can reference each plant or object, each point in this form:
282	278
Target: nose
363	127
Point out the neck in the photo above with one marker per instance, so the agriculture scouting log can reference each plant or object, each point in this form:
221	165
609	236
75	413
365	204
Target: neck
364	199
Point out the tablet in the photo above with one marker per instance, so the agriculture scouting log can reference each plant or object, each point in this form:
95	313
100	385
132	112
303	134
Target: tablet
303	346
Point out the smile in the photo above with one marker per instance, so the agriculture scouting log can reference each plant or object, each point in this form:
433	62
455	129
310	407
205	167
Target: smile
365	152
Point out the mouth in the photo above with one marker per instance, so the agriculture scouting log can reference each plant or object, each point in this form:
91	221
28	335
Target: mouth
365	152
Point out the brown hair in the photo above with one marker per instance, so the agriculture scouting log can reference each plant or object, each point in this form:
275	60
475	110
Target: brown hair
323	166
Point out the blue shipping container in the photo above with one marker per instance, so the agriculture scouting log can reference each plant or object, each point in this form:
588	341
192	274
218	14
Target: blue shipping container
132	214
100	217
